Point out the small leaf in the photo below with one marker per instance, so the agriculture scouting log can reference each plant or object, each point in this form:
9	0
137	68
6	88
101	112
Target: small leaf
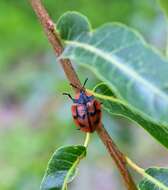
117	107
119	56
62	167
160	182
72	20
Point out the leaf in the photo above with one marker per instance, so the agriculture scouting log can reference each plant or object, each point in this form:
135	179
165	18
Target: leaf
69	22
117	107
62	167
119	56
160	182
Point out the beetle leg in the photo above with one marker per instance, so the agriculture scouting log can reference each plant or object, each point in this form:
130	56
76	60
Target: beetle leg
66	94
80	127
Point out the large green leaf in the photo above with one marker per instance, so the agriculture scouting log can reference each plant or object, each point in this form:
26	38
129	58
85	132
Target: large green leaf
117	107
119	56
62	167
160	181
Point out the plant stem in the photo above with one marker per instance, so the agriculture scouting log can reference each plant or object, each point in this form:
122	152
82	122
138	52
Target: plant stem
87	139
53	37
145	175
117	156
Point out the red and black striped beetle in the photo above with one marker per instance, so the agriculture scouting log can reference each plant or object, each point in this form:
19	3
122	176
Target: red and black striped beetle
86	110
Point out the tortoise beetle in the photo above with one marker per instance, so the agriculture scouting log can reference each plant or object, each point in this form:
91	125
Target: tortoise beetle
86	110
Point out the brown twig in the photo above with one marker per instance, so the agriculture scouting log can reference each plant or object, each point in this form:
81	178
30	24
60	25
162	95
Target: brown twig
53	37
55	41
117	156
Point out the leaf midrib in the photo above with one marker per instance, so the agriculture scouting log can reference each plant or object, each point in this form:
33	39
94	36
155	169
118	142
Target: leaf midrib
112	99
71	169
113	59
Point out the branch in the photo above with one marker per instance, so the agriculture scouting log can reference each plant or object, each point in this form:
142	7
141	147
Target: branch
53	37
118	157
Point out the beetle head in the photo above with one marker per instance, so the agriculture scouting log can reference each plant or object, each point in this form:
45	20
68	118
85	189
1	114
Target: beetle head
82	89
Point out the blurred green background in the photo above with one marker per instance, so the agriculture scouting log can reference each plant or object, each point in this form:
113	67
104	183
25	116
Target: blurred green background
35	118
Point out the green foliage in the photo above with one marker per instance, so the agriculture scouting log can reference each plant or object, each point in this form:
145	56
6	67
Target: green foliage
117	107
24	155
164	6
31	84
62	167
65	22
160	176
131	68
21	22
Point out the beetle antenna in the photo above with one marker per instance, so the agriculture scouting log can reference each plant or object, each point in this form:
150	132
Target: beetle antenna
66	94
84	83
83	86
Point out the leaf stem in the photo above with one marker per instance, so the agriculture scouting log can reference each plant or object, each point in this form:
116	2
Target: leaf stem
53	37
111	98
87	139
66	187
145	175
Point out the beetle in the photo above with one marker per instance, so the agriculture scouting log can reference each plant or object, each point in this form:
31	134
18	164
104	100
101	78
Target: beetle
86	110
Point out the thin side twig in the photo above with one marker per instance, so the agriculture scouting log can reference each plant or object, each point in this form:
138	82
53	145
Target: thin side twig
53	37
